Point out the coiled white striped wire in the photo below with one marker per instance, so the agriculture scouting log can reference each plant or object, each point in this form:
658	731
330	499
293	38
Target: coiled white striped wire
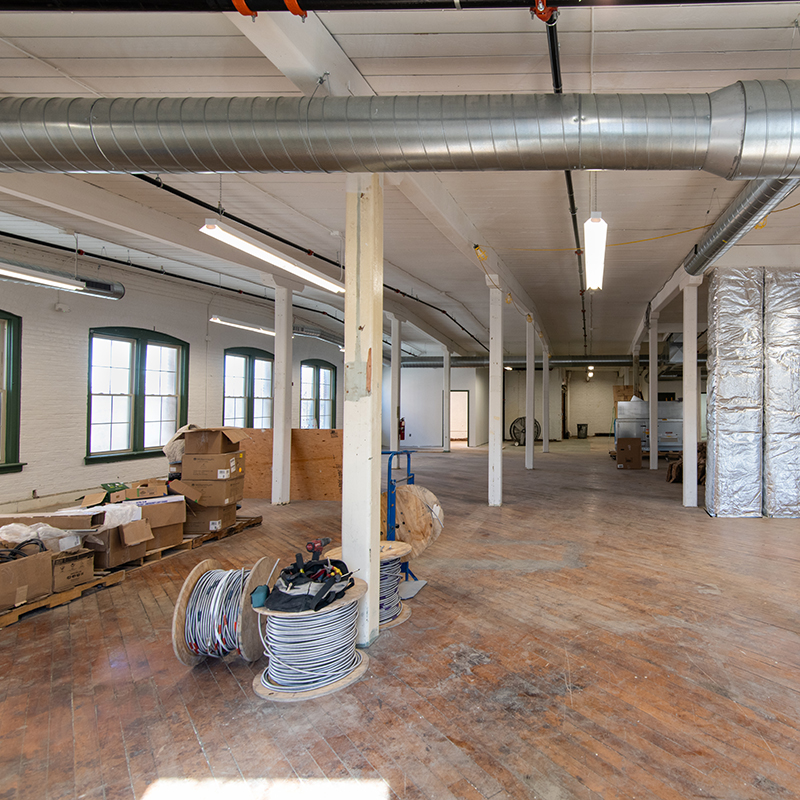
390	603
212	612
310	651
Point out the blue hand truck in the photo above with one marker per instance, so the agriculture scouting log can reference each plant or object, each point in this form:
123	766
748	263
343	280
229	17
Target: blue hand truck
391	497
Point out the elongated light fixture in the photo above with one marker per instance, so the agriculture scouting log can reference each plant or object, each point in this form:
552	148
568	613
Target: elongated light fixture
42	278
219	230
232	323
595	230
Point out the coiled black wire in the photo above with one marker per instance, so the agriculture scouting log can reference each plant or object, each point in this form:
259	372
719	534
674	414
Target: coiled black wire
310	651
390	603
13	553
212	613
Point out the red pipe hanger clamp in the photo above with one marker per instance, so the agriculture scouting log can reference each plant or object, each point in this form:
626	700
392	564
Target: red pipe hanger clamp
543	11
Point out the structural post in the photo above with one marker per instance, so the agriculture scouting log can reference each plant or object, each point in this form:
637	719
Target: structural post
530	386
653	391
363	359
394	422
690	394
495	391
635	372
282	399
446	400
545	400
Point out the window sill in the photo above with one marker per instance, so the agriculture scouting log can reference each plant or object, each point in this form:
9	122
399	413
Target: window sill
16	467
111	457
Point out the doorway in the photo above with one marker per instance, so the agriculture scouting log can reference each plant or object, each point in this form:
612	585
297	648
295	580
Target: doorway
459	415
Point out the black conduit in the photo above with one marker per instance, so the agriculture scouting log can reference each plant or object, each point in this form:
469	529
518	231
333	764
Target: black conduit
159	184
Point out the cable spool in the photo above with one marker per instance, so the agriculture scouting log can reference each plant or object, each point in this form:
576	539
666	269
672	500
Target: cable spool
312	653
418	515
392	610
213	615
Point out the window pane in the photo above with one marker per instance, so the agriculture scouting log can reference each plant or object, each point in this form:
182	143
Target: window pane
121	437
101	380
262	413
235	371
326	414
101	351
307	416
101	410
161	388
325	383
152	434
111	400
121	409
307	382
100	439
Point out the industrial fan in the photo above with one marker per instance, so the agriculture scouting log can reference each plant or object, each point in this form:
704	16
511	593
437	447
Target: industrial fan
517	431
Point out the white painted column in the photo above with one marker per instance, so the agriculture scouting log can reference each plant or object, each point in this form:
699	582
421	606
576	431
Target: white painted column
446	400
282	398
690	399
635	371
653	390
363	359
495	391
530	386
394	422
545	400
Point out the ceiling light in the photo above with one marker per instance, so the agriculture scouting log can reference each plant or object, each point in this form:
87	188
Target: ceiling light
508	368
232	323
595	230
590	368
224	233
42	278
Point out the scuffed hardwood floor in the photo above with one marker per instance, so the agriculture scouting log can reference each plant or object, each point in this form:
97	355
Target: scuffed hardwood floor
589	639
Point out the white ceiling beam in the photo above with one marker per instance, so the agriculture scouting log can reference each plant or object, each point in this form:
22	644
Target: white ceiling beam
303	51
391	306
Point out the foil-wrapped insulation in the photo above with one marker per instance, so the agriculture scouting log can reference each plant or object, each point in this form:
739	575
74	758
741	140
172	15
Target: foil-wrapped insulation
735	392
781	393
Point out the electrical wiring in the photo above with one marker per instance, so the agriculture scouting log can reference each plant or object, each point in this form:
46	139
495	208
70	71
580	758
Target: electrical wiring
13	553
310	651
390	603
212	613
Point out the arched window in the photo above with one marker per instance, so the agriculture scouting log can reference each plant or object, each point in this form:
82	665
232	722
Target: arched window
10	373
317	394
137	392
247	401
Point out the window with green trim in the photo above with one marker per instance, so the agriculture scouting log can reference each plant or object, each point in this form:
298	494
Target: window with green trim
317	394
137	391
247	401
10	373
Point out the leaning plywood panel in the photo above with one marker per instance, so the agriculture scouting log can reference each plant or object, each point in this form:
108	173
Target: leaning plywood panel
781	390
735	392
316	464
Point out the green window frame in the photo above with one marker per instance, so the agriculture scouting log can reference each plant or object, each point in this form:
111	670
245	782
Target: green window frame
138	386
248	388
317	394
10	391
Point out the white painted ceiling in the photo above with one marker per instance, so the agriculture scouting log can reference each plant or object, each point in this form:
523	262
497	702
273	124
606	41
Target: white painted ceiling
520	219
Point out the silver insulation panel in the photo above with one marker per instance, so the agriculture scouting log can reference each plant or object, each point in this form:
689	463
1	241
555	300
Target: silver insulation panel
781	391
735	393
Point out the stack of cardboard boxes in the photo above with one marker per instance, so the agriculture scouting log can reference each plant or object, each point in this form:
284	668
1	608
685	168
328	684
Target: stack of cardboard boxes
213	469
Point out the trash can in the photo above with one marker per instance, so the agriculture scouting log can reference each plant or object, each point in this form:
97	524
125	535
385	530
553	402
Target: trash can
583	430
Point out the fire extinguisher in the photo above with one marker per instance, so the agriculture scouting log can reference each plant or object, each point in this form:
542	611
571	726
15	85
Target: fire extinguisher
402	428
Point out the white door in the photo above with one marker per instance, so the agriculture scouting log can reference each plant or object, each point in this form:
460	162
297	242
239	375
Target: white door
459	415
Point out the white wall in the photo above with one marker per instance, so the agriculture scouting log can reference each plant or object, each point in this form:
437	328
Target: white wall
592	402
55	354
515	399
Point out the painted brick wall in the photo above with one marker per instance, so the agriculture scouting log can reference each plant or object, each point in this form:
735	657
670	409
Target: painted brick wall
55	347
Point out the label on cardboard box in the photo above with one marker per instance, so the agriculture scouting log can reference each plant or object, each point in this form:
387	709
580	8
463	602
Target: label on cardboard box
215	524
223	474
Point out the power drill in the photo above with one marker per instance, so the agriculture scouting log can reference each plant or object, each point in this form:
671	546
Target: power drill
315	547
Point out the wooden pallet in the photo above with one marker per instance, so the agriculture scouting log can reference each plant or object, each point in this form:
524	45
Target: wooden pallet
60	598
242	523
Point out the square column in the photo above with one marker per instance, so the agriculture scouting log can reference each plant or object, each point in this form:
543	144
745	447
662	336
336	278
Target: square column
363	351
495	391
653	390
394	403
282	397
690	403
446	400
530	386
545	400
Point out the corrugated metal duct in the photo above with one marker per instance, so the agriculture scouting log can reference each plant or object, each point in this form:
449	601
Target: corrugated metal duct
748	130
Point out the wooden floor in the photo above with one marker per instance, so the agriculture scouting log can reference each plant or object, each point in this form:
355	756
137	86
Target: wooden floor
589	639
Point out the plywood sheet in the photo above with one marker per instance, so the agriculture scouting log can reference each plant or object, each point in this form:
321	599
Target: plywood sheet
316	464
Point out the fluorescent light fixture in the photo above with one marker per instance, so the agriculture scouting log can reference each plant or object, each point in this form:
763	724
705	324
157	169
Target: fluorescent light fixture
508	368
42	278
595	230
224	233
232	323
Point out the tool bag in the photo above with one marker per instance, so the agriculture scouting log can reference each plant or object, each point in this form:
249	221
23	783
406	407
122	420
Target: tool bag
309	585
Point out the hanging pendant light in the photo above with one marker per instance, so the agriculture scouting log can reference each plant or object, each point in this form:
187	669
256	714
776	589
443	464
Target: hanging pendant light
595	230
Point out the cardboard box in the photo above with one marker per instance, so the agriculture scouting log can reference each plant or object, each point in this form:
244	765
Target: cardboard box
166	536
72	568
72	521
25	579
212	466
213	440
120	545
181	488
204	519
152	487
629	453
219	493
161	511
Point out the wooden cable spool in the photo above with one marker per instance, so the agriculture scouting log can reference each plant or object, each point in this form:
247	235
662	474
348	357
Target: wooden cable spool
419	517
